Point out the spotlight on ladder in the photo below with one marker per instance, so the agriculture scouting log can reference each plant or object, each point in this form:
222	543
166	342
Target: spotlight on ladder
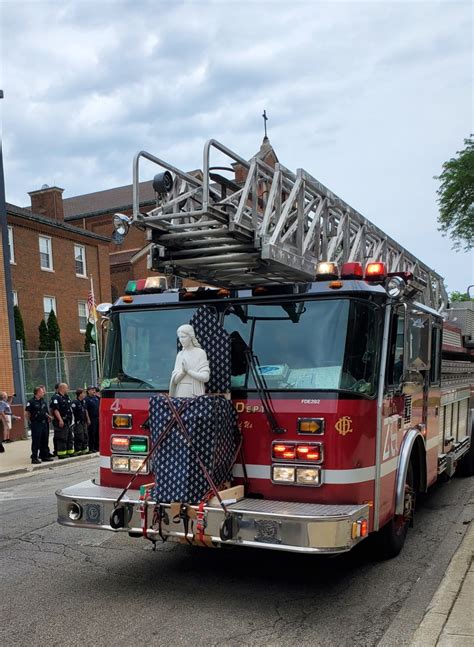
121	224
163	182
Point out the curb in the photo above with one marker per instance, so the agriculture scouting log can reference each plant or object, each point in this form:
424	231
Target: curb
441	605
43	466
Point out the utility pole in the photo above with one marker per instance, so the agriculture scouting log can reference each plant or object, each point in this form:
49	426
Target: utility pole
8	275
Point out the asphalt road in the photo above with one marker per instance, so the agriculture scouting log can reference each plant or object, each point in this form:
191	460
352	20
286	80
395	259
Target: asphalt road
61	586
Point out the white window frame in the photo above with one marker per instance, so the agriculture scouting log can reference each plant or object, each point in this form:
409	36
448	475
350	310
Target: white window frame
53	304
82	275
50	268
15	297
11	245
85	315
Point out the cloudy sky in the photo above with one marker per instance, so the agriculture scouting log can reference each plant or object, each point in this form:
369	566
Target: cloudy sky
369	97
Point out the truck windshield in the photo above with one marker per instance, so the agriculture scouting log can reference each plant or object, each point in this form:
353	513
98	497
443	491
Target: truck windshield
308	345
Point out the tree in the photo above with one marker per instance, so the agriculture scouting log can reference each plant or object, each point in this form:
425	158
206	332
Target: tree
43	336
456	197
54	332
459	296
19	327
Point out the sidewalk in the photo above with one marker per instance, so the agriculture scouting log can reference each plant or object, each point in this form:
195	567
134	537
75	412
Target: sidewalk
449	618
16	459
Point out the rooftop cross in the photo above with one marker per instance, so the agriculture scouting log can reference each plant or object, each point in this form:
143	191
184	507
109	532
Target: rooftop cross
265	119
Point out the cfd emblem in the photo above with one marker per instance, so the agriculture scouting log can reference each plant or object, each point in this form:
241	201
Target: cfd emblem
344	425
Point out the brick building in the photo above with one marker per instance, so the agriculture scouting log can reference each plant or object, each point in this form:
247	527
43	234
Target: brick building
94	212
51	264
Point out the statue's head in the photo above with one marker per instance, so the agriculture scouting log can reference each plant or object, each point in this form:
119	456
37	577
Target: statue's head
186	332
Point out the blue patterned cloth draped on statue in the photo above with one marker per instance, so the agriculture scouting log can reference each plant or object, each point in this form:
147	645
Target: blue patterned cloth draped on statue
211	422
215	340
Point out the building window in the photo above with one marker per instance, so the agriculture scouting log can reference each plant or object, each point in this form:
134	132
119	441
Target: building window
80	260
82	308
46	256
11	248
49	303
15	297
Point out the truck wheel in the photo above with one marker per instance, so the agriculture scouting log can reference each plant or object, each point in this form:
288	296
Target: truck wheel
466	464
391	537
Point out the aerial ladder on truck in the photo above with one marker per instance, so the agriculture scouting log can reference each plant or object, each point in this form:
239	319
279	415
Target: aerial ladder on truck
272	229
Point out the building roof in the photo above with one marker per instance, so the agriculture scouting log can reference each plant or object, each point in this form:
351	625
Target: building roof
265	149
14	210
117	199
122	256
93	204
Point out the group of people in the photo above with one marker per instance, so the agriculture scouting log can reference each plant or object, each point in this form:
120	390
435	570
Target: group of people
75	423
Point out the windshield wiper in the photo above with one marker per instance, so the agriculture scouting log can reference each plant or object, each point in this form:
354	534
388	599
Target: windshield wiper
263	391
123	377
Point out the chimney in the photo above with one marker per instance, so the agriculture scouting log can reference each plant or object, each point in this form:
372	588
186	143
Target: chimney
48	201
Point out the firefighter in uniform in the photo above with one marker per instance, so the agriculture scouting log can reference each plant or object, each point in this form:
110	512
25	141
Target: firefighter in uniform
62	422
55	451
37	414
81	422
92	405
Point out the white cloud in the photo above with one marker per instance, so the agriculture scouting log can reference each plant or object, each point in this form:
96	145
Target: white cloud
369	97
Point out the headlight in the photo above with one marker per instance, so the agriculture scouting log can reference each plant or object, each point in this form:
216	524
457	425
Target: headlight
282	474
120	464
308	475
135	464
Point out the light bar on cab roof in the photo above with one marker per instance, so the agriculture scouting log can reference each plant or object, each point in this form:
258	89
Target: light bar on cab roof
150	285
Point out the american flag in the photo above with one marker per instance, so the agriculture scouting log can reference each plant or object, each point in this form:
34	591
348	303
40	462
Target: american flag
91	306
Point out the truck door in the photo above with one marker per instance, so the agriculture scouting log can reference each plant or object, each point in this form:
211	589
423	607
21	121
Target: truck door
417	364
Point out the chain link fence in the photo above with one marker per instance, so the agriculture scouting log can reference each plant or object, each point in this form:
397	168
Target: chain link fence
77	369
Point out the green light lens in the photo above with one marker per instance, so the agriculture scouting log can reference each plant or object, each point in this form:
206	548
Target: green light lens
131	287
138	445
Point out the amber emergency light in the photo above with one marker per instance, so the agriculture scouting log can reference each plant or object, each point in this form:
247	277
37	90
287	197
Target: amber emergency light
375	272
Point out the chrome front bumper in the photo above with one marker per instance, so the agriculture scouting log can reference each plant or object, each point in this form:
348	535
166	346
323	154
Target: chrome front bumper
259	523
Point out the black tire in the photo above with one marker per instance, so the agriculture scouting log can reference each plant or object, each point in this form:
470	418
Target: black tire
391	538
466	464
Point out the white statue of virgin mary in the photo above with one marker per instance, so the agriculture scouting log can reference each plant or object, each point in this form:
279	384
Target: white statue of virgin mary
191	369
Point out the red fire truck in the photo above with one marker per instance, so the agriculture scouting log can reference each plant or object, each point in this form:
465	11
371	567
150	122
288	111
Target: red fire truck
350	375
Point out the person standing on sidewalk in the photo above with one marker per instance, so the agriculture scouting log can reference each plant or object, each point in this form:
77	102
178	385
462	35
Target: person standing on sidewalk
55	451
3	426
92	405
38	417
5	408
81	422
62	421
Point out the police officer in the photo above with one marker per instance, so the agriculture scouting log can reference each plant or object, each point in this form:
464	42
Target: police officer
81	422
92	405
55	451
37	414
62	421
